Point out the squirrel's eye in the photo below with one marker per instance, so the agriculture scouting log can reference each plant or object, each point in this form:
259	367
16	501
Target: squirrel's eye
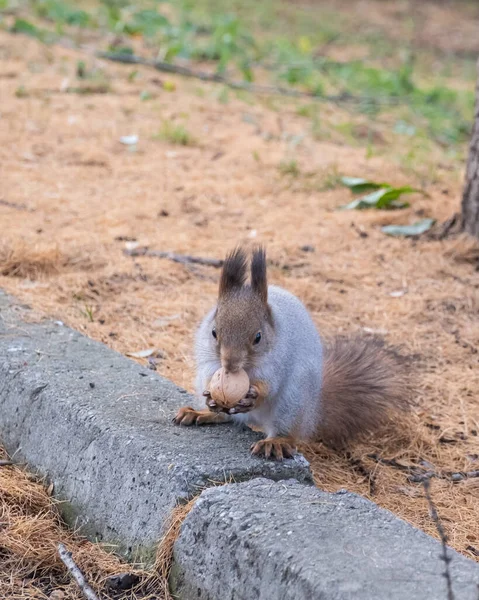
214	333
257	339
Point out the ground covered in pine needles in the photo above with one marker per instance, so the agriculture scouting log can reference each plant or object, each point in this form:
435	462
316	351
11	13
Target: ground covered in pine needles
31	529
210	169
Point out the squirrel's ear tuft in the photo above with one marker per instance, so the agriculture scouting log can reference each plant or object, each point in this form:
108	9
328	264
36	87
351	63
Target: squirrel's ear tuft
259	282
233	275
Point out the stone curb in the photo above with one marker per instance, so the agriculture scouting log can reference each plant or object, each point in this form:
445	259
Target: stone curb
286	541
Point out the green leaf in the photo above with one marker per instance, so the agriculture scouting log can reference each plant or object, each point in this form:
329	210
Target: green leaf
358	185
173	50
27	28
409	230
353	181
392	194
386	197
60	12
146	22
121	50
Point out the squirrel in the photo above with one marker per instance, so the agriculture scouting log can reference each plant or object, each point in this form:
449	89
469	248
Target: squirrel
301	388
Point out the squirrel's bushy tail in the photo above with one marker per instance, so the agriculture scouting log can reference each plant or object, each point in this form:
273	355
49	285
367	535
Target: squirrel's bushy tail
363	382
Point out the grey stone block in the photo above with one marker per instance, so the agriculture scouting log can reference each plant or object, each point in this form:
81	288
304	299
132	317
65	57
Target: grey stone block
285	541
99	426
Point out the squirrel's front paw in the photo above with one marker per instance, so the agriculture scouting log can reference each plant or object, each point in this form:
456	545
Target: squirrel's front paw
189	416
274	447
247	403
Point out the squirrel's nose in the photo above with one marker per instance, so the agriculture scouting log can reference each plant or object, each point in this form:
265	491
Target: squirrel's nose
231	361
230	366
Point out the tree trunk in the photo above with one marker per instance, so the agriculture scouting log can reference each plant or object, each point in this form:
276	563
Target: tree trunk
470	198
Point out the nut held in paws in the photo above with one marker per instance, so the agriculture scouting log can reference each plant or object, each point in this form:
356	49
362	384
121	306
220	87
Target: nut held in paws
227	389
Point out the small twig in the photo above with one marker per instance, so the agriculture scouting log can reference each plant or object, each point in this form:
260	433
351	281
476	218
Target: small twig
416	475
15	205
463	475
390	462
451	226
423	477
357	465
254	88
70	564
179	258
442	534
463	343
6	463
472	550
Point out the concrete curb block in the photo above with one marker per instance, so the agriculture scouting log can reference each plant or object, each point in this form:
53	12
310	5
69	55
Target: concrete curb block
99	426
286	541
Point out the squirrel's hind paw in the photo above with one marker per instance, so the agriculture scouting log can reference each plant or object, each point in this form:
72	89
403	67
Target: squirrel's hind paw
274	447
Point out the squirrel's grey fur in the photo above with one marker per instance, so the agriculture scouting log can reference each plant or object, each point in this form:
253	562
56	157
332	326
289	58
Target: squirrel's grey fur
315	390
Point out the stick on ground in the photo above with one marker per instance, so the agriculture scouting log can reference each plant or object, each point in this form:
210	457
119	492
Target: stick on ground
344	98
442	534
179	258
75	572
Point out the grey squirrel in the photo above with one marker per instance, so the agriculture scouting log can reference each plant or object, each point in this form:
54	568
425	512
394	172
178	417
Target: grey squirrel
302	389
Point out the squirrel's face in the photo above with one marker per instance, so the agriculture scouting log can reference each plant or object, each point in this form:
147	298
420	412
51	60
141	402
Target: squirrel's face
242	327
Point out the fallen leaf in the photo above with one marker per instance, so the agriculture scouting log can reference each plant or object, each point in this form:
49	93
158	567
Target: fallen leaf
384	195
358	185
142	353
162	321
382	198
397	293
375	331
409	230
129	140
131	245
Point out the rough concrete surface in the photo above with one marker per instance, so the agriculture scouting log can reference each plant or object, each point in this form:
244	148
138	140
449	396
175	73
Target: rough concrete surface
286	541
99	425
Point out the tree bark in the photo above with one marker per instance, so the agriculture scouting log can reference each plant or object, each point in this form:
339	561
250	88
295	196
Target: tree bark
470	198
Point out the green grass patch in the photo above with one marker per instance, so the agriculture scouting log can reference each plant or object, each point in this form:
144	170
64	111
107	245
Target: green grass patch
285	44
289	167
175	134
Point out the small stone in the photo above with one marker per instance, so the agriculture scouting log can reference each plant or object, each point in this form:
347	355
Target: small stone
122	581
